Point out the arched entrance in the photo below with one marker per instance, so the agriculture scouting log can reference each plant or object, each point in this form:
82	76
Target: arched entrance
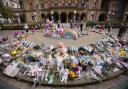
63	17
49	16
83	16
102	17
22	18
70	16
43	17
56	17
77	17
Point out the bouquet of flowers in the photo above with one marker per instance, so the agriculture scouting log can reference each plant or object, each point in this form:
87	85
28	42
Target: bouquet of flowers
72	75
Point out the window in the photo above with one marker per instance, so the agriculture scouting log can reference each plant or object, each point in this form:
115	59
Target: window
12	5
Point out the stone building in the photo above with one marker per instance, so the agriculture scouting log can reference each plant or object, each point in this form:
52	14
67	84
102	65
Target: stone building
65	10
14	5
11	3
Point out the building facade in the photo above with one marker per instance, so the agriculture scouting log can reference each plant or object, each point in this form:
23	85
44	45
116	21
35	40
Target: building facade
11	3
64	11
14	5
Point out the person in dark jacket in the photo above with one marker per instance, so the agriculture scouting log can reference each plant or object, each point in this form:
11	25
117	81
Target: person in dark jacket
122	30
81	26
109	27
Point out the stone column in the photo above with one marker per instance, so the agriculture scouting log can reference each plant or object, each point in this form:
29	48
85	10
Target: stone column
99	4
59	17
29	11
19	21
18	18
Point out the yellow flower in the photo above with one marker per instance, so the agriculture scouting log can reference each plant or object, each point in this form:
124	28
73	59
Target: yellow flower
29	49
73	74
14	52
74	65
122	53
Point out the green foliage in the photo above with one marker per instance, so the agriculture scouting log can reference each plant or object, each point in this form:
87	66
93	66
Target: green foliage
12	27
5	11
35	24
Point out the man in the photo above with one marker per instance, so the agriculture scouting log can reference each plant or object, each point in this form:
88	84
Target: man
81	26
124	29
109	27
121	30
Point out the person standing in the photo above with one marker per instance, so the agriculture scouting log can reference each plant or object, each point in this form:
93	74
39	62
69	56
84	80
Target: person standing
109	27
71	24
121	31
81	26
124	29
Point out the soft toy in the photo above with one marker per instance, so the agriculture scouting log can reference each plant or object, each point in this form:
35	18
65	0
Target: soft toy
47	74
50	60
59	60
43	73
39	73
61	48
65	76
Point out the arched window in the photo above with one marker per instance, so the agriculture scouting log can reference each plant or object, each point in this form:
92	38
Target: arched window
70	16
49	16
63	17
102	17
56	17
83	16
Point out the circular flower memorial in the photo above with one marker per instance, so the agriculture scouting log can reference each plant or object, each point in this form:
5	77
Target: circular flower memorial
61	64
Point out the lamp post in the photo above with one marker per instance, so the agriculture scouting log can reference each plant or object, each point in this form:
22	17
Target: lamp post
74	15
52	17
39	9
92	14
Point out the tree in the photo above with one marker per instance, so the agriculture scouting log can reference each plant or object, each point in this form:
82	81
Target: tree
6	11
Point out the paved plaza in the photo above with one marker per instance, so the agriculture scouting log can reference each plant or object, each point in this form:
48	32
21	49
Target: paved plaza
39	38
